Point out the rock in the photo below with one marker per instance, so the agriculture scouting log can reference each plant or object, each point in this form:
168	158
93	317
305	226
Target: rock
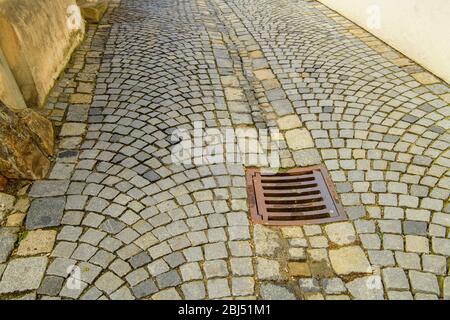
289	122
434	264
22	205
422	282
268	269
93	10
442	219
37	242
417	244
51	286
297	254
243	286
447	288
338	297
80	98
194	290
26	296
23	274
309	285
264	74
299	269
425	78
321	269
313	296
72	129
108	282
341	233
395	279
266	240
168	294
441	246
234	94
6	202
41	130
383	258
333	286
218	288
298	139
292	232
366	288
348	260
27	141
275	292
122	294
399	295
15	220
8	237
45	212
49	188
425	296
145	288
306	157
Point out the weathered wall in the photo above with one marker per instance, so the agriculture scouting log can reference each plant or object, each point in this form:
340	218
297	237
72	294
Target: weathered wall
37	38
417	28
9	90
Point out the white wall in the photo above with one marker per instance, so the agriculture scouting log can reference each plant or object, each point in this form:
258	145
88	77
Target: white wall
420	29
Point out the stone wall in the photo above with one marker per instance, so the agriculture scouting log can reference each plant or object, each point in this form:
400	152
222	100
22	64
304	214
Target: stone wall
37	39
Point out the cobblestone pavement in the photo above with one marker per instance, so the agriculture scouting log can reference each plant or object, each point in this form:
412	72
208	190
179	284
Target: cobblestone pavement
138	226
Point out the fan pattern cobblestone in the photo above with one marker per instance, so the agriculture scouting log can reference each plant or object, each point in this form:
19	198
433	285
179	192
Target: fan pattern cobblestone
138	226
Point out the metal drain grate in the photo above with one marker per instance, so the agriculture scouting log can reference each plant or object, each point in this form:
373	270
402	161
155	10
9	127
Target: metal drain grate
298	196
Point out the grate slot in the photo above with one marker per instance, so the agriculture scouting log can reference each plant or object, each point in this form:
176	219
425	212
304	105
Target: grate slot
294	200
305	199
308	206
276	186
288	174
287	193
299	216
285	179
298	196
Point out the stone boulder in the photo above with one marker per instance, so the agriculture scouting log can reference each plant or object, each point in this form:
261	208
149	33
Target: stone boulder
26	144
93	10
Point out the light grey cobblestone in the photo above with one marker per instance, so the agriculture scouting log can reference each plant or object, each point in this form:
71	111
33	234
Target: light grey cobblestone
149	228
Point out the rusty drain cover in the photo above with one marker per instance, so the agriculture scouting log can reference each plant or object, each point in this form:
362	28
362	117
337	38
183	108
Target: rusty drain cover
295	197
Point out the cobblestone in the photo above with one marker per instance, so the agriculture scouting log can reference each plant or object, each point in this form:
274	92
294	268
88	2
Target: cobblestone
423	282
434	264
108	283
23	274
275	292
218	288
395	279
348	260
8	237
147	227
362	289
